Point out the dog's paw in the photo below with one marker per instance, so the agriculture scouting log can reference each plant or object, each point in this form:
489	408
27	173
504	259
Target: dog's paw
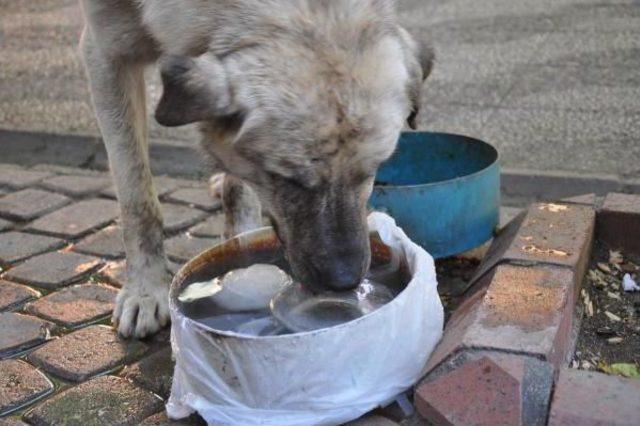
215	185
142	308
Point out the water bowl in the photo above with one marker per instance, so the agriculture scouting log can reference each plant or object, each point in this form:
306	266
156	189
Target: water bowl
323	376
442	189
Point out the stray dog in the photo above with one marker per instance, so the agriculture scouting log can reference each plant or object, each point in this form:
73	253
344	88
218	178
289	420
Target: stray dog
298	102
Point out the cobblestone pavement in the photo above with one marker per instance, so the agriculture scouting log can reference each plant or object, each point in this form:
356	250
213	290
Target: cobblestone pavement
552	83
61	259
509	340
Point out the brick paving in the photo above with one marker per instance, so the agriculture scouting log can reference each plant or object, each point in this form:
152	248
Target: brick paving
153	372
213	227
13	295
161	419
5	224
77	186
19	178
105	243
114	273
499	388
16	246
19	332
85	353
75	305
30	203
504	346
105	400
617	401
77	219
183	247
20	383
177	217
197	197
62	268
524	310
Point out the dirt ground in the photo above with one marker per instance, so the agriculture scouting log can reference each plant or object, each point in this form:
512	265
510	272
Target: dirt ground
453	275
610	329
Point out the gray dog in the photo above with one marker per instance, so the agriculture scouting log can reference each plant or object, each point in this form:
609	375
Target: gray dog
299	101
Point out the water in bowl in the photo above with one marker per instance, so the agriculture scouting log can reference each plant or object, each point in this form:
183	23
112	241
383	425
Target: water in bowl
293	308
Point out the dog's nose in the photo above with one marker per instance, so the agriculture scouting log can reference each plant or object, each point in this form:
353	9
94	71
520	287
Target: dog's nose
342	272
342	279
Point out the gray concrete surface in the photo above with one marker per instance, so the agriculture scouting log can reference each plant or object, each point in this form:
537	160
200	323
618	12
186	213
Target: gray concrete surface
554	84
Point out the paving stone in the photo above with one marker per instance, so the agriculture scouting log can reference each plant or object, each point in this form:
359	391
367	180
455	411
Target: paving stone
67	170
30	203
619	222
13	295
552	233
163	185
105	400
483	387
177	217
105	243
161	419
109	192
20	384
19	178
77	219
53	270
371	420
196	197
587	398
527	184
76	186
524	309
115	273
19	332
184	247
17	246
75	305
86	352
5	225
153	372
213	227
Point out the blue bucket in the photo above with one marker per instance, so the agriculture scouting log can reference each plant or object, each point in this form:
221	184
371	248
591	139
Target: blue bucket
443	190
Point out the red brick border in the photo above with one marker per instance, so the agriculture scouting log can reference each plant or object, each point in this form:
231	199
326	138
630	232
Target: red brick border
497	358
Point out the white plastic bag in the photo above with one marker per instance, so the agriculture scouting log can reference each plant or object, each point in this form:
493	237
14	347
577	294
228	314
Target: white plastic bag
322	377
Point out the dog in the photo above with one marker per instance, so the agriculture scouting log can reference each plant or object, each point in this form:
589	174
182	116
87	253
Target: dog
298	103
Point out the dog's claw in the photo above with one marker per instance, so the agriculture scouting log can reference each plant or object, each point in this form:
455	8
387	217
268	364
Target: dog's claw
141	310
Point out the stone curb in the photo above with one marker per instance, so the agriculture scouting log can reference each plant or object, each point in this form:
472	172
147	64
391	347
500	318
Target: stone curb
32	148
619	222
616	402
519	186
518	316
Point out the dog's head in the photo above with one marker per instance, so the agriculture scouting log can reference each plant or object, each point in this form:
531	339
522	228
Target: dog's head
307	126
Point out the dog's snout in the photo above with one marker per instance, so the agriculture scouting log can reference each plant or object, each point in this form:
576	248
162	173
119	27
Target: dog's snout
339	271
342	277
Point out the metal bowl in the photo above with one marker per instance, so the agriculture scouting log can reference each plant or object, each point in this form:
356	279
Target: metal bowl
442	189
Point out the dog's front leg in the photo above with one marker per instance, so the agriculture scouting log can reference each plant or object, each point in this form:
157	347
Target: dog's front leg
241	207
118	94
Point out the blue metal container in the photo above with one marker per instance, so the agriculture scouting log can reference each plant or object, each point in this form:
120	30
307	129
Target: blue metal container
442	189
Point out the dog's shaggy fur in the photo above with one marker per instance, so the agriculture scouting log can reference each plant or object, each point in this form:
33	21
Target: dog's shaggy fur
299	103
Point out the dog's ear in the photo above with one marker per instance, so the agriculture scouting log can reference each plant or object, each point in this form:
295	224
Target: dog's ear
194	89
419	58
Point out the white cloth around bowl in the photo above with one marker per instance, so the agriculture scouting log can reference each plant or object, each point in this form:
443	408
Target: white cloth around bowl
322	377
